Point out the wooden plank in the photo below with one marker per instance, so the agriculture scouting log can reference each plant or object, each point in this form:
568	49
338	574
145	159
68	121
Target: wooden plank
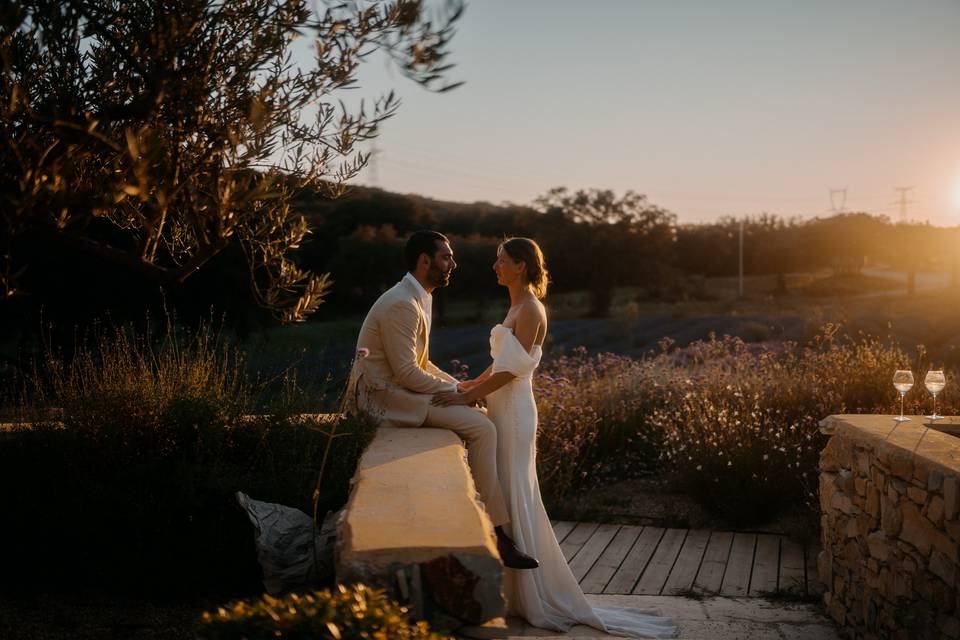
562	529
575	539
710	576
592	549
611	559
792	569
736	579
636	561
766	563
658	570
688	562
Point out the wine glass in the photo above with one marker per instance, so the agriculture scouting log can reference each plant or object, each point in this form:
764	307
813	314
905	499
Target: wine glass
902	382
935	381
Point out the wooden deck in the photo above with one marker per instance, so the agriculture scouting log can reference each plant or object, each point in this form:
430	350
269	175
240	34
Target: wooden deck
610	558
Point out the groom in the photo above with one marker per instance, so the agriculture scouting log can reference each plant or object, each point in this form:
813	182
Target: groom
396	379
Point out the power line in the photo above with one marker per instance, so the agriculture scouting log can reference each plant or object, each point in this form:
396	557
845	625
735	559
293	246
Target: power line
843	200
903	202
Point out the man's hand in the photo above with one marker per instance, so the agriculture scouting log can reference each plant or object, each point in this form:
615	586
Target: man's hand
451	399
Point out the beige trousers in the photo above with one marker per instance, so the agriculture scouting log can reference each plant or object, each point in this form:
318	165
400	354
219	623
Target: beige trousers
481	437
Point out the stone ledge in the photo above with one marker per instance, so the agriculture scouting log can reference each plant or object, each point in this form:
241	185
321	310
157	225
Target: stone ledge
932	441
890	528
414	526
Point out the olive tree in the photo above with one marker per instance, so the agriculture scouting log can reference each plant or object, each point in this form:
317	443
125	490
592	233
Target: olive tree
156	134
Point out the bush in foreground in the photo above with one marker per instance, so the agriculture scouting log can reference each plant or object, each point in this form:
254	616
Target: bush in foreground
346	613
132	485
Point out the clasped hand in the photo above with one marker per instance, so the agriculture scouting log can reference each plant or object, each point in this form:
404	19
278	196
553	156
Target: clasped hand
459	397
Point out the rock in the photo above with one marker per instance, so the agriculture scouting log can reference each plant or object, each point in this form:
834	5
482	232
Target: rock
949	626
872	505
879	478
877	544
943	567
844	481
828	457
916	530
852	529
860	486
454	585
917	495
953	530
950	491
909	565
897	486
843	504
413	525
825	567
890	518
943	544
934	480
935	511
828	487
921	474
901	464
863	464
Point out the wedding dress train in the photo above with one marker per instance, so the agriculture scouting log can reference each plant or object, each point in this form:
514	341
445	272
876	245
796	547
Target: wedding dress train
548	597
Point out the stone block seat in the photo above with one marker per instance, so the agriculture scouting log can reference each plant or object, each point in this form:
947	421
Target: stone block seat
414	526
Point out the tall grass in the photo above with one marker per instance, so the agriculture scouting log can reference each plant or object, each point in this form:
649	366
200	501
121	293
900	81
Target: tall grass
131	449
736	425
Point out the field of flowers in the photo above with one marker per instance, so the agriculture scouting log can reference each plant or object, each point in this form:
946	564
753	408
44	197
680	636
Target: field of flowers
733	424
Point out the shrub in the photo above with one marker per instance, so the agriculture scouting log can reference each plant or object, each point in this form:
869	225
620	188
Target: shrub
131	487
736	425
346	613
593	421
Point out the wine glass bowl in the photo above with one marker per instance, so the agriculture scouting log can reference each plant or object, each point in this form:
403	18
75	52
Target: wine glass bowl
902	382
935	381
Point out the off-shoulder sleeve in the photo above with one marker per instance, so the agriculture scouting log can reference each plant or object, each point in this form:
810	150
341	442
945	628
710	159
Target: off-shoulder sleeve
513	358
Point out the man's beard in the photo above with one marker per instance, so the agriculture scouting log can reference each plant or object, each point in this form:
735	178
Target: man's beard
438	277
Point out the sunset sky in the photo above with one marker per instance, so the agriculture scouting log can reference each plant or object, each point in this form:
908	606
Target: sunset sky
709	107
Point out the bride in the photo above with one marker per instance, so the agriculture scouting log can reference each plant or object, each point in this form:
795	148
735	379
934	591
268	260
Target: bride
549	596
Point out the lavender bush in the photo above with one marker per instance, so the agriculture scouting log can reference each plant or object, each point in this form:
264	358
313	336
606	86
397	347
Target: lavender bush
736	425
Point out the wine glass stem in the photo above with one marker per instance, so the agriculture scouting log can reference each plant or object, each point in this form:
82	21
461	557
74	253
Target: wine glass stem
934	405
902	394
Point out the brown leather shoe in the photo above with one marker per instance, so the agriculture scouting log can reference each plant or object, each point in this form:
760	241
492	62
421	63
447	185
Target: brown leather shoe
512	557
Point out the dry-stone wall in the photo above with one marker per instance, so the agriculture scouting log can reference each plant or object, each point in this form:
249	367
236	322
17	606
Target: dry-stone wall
891	527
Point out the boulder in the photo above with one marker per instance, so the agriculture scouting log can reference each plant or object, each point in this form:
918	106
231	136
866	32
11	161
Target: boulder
413	525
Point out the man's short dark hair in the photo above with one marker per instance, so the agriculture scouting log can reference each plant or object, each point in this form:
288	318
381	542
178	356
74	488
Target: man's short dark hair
421	242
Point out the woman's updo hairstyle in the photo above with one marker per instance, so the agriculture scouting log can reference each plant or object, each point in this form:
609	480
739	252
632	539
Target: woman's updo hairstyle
528	252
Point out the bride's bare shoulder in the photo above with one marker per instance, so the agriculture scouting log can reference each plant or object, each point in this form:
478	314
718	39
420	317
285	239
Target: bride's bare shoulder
533	312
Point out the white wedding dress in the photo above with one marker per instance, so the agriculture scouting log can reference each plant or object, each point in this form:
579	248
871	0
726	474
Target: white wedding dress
548	597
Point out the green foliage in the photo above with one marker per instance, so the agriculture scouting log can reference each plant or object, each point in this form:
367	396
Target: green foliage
156	135
346	613
615	239
736	425
130	484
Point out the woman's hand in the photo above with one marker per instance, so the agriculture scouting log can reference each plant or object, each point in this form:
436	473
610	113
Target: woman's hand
466	385
451	399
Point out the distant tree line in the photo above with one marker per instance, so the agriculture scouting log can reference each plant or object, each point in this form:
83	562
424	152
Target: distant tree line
596	241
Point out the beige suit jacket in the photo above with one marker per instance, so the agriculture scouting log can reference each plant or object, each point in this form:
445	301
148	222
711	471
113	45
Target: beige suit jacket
397	380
